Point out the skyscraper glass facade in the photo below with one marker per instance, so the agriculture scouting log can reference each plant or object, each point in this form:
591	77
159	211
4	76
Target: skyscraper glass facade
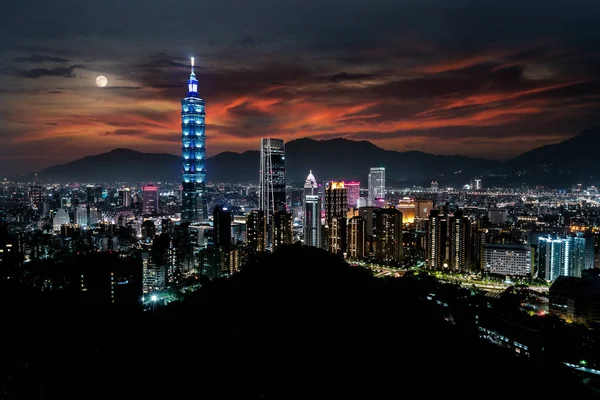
193	149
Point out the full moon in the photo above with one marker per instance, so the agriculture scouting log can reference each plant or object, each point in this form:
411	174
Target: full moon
101	81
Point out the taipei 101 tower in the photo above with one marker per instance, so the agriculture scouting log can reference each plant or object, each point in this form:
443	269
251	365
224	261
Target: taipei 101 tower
193	149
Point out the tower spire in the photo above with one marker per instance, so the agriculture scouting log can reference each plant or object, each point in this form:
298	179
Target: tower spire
192	66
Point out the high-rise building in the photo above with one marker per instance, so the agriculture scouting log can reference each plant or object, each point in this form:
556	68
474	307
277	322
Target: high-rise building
356	237
193	139
498	216
222	240
376	185
353	193
282	228
271	194
460	242
311	225
124	197
336	207
566	256
478	185
150	199
272	175
387	234
508	260
437	237
256	230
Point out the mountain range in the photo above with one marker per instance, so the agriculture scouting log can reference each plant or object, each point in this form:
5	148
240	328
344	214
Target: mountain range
571	161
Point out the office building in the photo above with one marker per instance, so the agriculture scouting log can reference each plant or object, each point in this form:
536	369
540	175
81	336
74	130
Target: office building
509	260
356	237
272	175
311	224
353	193
376	186
221	240
271	192
193	149
150	199
256	230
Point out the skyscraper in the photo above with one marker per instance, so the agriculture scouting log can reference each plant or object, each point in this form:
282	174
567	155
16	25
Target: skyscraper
193	204
271	193
353	193
310	185
150	199
376	185
460	242
437	237
336	207
272	175
311	225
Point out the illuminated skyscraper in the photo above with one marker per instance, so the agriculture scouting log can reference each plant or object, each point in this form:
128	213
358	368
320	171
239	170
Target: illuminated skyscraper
376	185
271	194
356	237
193	204
256	230
311	224
272	175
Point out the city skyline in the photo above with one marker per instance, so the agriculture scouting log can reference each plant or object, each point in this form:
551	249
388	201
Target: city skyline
489	81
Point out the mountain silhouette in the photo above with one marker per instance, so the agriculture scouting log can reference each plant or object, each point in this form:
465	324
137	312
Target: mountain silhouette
340	159
571	161
574	160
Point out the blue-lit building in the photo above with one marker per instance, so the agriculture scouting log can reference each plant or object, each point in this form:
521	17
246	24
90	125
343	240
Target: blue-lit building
193	138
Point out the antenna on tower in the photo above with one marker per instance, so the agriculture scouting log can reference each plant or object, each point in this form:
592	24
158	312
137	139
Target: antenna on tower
192	65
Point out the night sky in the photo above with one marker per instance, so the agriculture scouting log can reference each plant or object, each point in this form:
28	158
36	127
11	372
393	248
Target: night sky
446	77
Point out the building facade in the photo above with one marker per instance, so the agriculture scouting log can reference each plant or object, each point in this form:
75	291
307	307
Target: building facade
509	260
311	225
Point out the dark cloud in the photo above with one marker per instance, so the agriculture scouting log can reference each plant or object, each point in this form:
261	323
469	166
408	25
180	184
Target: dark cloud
36	58
344	76
124	132
64	72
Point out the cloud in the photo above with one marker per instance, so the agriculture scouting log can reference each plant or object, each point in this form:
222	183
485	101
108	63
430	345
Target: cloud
63	72
124	132
343	76
36	58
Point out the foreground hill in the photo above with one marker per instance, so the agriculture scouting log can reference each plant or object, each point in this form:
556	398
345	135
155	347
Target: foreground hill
297	324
